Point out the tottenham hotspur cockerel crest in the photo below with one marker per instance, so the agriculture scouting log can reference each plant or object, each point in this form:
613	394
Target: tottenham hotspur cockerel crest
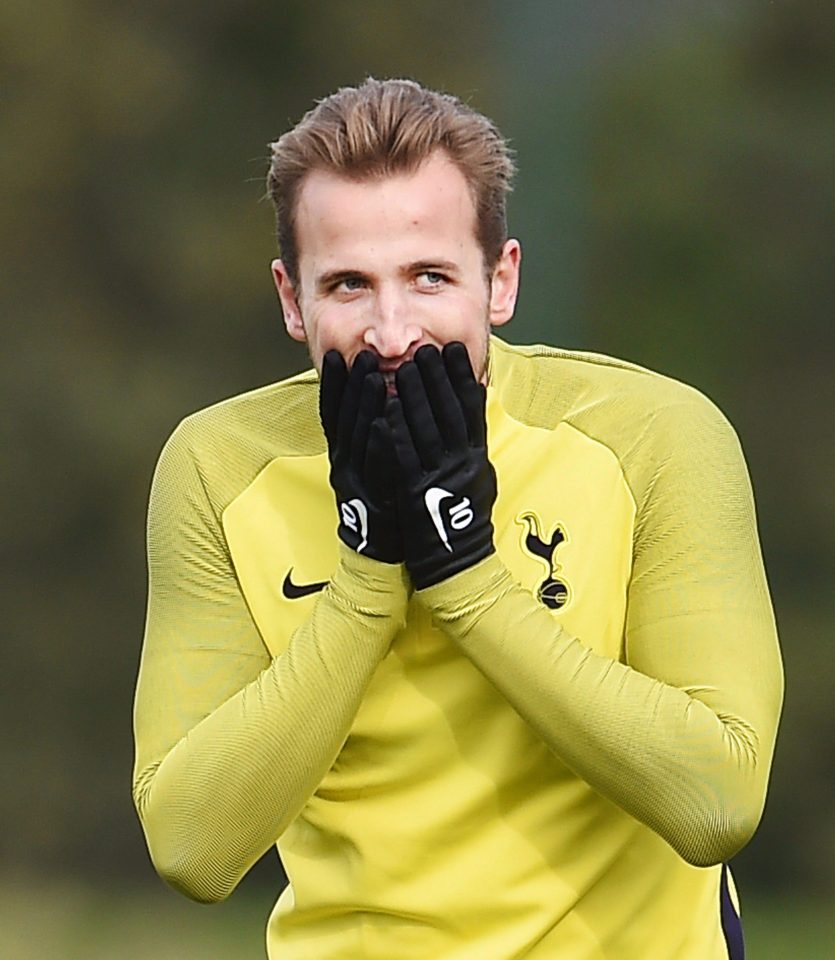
553	592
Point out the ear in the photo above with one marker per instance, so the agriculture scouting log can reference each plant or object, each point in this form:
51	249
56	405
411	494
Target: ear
504	285
289	304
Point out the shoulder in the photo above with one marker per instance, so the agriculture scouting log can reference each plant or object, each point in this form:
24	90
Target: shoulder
547	385
648	420
283	413
228	443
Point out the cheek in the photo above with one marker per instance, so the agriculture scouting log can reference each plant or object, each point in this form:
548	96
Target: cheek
335	328
462	316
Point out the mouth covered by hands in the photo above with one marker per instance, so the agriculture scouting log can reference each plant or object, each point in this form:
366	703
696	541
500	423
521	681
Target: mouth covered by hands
410	472
362	467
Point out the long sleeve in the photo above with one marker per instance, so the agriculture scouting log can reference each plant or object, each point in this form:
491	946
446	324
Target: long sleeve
680	732
229	744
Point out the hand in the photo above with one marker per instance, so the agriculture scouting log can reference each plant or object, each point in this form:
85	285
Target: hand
447	485
362	472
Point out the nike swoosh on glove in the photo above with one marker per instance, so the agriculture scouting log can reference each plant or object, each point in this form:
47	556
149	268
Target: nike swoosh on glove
446	484
362	474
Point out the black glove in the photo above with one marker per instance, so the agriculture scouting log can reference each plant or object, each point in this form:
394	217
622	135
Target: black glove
362	472
446	485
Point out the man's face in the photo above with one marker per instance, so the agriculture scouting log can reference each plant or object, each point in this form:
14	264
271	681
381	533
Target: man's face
391	264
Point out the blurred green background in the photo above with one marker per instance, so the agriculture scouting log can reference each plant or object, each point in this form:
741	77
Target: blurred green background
675	206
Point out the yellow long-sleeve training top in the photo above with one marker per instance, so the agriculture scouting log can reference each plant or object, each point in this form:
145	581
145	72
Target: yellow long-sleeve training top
550	755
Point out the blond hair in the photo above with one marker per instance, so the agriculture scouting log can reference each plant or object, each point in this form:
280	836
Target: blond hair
384	127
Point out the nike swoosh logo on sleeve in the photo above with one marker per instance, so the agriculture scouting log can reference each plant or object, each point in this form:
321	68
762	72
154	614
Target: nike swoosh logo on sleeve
295	591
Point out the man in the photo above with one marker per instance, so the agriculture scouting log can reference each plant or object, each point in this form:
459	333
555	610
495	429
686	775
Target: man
478	634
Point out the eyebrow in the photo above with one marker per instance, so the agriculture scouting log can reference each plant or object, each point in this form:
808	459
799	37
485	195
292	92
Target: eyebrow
446	266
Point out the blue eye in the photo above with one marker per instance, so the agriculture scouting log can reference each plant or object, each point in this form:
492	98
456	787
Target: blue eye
350	284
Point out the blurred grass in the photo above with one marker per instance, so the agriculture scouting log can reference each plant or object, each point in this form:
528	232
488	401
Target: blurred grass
69	921
80	922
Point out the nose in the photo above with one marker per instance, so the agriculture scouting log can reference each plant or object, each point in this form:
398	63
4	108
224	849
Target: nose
391	331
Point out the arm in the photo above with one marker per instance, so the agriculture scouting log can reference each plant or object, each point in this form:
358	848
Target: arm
229	745
682	734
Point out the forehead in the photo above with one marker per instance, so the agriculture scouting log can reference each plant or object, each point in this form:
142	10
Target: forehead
432	205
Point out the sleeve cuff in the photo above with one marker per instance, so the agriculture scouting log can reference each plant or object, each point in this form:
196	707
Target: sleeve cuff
464	592
369	586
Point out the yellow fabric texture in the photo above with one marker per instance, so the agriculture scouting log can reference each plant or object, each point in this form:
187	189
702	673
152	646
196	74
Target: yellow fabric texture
547	755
